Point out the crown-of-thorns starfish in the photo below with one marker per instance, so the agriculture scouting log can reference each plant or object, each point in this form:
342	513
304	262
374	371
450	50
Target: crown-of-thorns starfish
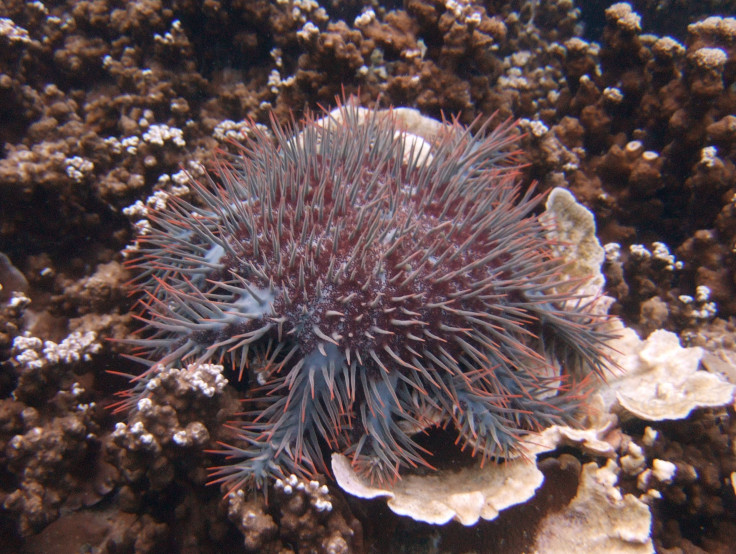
372	287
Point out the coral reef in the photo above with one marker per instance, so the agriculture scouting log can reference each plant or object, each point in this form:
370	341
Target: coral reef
697	493
307	519
106	106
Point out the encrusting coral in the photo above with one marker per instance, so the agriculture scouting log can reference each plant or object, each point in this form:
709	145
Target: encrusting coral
373	284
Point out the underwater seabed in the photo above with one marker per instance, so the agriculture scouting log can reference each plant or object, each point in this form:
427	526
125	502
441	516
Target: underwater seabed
110	110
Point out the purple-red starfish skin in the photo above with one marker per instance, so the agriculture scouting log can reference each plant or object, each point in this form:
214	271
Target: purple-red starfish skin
371	292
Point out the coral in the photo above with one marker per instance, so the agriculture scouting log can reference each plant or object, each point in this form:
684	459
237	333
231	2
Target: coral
53	461
465	496
101	292
307	518
43	366
257	526
13	304
160	454
176	416
346	316
709	256
644	279
573	230
623	17
668	384
107	105
695	460
599	518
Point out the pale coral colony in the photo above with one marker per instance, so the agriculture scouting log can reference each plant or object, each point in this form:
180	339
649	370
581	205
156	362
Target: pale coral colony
367	284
